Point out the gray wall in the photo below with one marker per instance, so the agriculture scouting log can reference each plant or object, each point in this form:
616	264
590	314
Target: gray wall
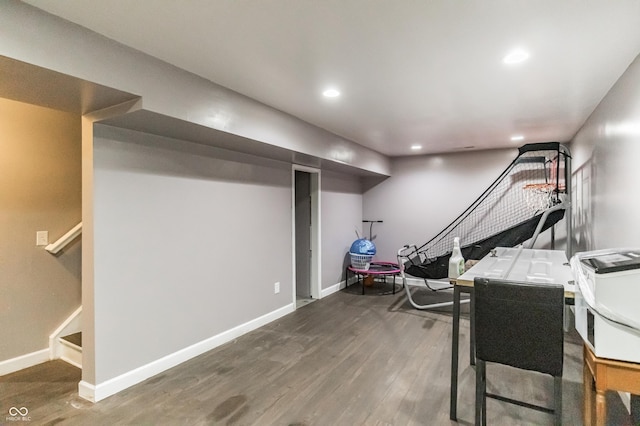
606	154
39	191
341	212
189	241
178	210
36	37
424	194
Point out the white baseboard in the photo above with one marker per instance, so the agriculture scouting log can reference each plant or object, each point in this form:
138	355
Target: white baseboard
418	282
87	391
95	393
332	289
339	286
24	361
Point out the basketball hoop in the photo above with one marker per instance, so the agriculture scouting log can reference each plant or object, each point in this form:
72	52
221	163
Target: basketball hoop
539	196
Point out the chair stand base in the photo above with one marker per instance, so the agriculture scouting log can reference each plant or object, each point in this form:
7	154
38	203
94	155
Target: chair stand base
520	403
482	395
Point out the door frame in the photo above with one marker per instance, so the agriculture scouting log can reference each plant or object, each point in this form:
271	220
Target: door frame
315	279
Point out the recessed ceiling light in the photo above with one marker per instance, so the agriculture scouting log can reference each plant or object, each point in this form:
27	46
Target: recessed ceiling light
331	93
516	56
517	138
416	147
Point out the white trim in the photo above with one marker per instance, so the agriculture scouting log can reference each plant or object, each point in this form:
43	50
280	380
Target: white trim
95	393
332	289
63	241
86	391
24	361
337	287
316	244
69	326
316	260
70	353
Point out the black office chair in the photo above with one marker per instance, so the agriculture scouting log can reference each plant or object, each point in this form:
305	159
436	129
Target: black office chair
518	324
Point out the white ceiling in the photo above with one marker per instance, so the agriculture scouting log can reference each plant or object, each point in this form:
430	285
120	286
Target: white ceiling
425	72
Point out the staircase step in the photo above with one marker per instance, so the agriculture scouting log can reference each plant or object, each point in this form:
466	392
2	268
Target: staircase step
71	349
75	338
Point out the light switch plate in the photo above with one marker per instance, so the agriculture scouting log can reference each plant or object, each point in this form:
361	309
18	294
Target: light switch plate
42	238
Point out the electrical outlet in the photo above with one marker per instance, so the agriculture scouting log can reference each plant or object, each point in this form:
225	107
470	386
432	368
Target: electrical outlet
276	288
42	238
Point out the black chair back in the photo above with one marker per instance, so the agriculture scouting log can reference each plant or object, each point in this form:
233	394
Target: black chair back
520	324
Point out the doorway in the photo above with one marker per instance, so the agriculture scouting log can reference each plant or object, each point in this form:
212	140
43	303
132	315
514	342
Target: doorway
306	235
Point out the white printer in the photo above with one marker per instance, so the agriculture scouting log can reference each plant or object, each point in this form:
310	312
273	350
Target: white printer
607	302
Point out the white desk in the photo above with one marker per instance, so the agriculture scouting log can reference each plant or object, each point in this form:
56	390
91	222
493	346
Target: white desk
531	265
514	264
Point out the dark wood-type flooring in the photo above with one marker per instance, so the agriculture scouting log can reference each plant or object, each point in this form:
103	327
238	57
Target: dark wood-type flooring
347	359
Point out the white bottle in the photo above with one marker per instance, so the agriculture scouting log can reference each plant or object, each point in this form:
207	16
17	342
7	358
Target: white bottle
456	262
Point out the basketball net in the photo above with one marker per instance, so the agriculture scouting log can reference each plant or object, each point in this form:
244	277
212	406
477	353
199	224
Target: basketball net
539	196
